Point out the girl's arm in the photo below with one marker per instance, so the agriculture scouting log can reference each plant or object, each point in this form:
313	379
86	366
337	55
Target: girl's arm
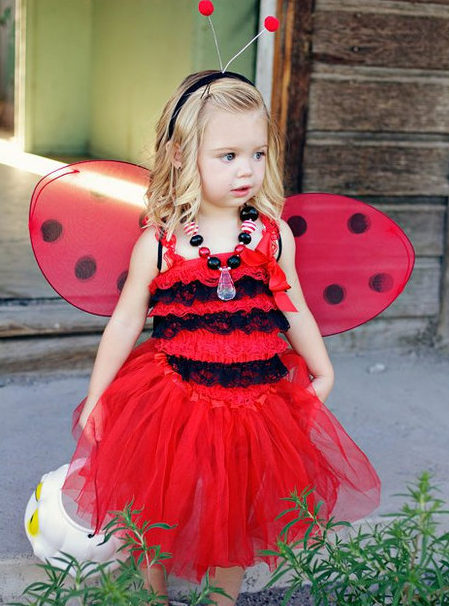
304	335
127	320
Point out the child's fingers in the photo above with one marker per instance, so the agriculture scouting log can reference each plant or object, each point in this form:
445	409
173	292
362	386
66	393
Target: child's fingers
90	429
311	388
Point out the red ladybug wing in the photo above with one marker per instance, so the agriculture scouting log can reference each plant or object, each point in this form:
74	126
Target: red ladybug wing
84	221
352	260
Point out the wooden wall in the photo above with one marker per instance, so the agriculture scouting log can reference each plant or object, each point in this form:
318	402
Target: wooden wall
373	119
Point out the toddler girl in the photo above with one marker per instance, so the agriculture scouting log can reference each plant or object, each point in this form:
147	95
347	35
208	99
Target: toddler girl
214	418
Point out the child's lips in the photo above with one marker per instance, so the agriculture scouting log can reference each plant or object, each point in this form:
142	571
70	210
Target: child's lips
241	191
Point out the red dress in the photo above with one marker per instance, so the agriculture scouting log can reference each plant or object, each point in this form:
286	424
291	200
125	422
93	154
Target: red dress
208	424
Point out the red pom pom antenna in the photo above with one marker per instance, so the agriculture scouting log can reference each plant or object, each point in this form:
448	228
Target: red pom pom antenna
206	8
271	23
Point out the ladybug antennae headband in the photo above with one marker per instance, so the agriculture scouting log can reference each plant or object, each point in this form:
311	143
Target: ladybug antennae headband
206	8
194	87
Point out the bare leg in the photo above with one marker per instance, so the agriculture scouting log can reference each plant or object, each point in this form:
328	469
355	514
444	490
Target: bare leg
229	579
154	577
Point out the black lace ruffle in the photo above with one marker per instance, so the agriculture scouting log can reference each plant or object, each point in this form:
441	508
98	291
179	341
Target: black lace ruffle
166	327
187	294
236	374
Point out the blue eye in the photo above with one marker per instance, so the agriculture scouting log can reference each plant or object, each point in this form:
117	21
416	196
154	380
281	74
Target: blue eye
259	155
230	156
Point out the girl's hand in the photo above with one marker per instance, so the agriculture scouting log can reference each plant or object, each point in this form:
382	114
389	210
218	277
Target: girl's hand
321	388
87	409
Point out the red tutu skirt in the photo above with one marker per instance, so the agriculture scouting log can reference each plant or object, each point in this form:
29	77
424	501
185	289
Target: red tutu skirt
214	467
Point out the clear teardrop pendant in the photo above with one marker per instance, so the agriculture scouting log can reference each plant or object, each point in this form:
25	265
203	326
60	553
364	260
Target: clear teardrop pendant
226	288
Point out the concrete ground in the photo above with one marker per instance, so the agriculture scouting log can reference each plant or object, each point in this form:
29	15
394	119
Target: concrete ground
395	407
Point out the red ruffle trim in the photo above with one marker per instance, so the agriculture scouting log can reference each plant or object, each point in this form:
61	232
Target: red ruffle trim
188	270
262	301
236	347
215	396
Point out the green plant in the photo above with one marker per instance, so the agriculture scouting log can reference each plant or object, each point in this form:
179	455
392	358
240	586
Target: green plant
400	562
6	16
122	587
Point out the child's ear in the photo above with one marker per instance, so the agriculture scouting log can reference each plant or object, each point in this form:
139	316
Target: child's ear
175	153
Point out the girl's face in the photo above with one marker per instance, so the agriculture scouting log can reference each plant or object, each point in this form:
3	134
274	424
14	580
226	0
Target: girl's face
231	158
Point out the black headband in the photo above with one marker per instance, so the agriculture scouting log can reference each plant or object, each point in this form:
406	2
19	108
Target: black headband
201	82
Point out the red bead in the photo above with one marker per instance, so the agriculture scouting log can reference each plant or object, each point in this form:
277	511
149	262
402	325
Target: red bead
271	23
239	248
204	251
206	8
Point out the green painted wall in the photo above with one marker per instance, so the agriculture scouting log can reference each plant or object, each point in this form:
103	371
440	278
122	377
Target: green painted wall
98	72
235	22
57	75
136	59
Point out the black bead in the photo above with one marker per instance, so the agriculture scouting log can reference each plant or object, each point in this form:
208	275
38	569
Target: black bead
196	240
244	237
234	261
213	262
249	213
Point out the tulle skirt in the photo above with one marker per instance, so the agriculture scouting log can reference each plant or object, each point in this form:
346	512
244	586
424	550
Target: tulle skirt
214	467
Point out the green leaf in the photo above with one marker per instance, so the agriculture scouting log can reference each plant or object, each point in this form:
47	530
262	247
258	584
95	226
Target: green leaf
268	552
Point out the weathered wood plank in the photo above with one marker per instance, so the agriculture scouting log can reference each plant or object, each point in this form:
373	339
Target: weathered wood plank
48	354
420	7
20	275
51	317
424	225
445	2
291	75
352	166
75	353
358	104
370	38
373	73
37	317
421	296
398	334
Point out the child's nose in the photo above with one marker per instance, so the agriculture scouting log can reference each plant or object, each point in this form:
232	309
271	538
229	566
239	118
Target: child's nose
245	167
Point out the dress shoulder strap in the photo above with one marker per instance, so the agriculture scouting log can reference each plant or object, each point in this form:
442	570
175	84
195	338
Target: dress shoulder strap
279	247
272	227
170	245
159	254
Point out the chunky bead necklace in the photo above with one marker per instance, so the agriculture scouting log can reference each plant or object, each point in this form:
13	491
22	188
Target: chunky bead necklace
225	288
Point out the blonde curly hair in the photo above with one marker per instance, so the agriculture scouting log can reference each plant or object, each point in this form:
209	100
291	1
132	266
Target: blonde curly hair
174	196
